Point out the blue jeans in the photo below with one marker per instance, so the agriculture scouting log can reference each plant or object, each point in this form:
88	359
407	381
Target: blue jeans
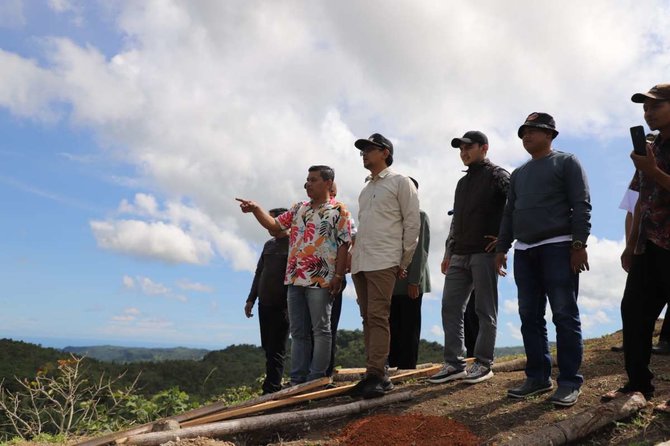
540	273
309	314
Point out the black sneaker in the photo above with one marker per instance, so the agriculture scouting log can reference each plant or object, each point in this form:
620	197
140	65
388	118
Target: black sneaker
530	388
447	373
565	396
373	387
357	390
477	373
387	385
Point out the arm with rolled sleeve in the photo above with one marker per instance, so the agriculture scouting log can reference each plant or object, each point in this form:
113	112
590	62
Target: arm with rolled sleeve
408	198
579	199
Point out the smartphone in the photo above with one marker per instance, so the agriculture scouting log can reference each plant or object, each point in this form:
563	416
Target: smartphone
639	140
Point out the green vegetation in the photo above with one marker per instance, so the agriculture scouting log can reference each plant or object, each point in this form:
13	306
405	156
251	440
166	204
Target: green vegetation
51	393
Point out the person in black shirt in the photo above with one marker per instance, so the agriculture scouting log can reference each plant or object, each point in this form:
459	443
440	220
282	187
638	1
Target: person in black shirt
268	286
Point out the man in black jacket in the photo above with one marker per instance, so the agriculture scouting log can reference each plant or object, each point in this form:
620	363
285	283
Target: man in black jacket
268	286
478	206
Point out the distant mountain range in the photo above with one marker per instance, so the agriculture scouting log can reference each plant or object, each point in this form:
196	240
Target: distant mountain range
125	355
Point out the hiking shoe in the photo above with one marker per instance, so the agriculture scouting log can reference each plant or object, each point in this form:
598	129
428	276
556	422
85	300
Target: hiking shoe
373	387
565	396
530	388
357	390
448	373
625	390
478	373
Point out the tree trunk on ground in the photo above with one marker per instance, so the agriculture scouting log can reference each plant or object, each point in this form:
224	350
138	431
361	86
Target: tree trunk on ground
268	421
582	424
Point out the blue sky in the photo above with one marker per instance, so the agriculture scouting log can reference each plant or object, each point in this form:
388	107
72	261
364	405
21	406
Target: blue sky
129	127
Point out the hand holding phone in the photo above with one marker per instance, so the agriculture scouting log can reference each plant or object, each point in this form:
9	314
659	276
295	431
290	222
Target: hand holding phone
639	140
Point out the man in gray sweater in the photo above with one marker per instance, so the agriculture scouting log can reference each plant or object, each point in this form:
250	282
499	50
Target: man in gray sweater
548	212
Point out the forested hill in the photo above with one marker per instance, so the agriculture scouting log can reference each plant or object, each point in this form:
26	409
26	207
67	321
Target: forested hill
123	355
213	374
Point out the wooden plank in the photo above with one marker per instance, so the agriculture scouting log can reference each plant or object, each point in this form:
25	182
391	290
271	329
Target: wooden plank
119	437
268	421
224	415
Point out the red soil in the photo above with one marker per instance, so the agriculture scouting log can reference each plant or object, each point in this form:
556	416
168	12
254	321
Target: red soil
406	430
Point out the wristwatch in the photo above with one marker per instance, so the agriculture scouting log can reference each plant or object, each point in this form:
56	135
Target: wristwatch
577	244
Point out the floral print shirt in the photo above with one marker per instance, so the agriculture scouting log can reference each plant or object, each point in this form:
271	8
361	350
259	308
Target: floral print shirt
655	202
316	234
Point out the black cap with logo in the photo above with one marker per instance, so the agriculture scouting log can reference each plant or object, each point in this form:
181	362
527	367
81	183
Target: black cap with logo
377	140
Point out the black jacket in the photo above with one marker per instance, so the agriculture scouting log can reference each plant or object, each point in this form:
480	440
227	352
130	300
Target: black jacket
478	207
268	282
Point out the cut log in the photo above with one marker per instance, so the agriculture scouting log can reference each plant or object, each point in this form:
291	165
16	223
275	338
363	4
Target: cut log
582	424
355	374
119	437
289	401
220	429
515	364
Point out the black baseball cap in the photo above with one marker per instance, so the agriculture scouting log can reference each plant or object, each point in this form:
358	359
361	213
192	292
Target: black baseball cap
377	140
539	120
660	92
473	136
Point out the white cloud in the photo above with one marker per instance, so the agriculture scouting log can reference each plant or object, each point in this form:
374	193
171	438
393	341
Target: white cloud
437	331
511	306
212	100
514	331
128	282
151	240
149	287
602	287
186	284
592	320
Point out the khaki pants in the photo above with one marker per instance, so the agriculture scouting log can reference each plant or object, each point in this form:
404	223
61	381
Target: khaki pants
374	290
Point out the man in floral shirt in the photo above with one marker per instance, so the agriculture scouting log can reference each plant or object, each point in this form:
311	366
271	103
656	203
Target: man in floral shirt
320	234
647	254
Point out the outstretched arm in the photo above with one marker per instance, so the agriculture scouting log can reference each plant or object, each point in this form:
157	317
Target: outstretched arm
262	216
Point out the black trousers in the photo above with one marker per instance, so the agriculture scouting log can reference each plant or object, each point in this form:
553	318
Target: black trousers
335	313
470	326
646	293
405	325
274	337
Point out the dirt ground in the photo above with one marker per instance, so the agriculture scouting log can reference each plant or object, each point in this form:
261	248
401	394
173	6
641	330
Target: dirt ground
460	414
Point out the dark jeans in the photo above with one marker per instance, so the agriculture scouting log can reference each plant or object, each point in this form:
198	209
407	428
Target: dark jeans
543	273
274	336
405	324
647	288
470	327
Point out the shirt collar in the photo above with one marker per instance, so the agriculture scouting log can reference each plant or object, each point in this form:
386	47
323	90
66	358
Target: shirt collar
381	174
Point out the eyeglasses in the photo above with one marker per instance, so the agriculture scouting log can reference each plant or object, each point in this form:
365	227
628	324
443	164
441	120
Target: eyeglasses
369	149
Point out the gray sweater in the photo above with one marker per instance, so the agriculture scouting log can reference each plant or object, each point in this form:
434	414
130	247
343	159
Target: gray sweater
547	197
